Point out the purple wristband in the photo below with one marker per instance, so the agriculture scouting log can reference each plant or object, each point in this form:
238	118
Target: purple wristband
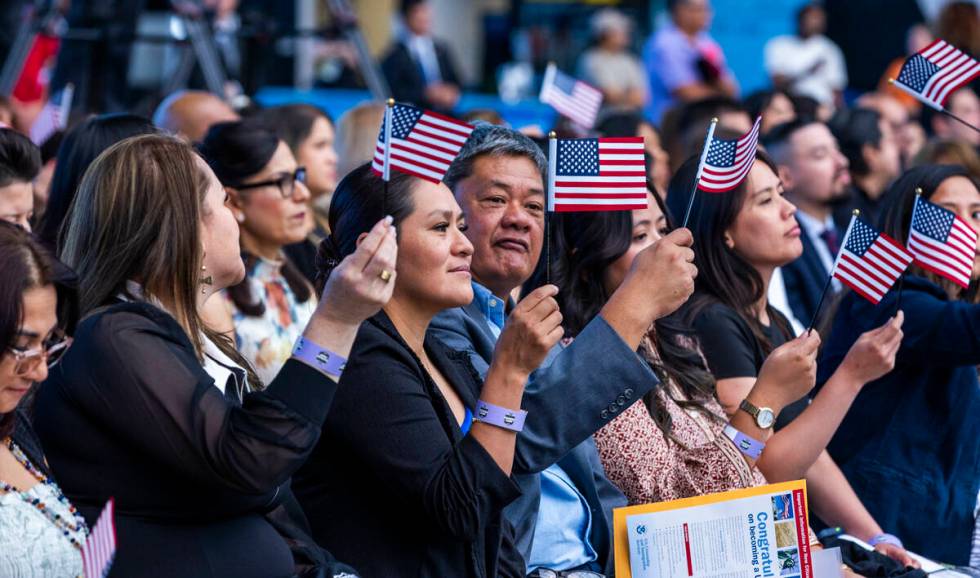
886	539
749	446
502	417
323	360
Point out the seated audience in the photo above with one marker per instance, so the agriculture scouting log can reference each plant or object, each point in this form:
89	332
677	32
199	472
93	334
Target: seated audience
357	135
910	444
633	124
420	69
81	146
427	473
610	64
683	62
774	106
962	103
41	533
309	133
808	63
563	520
269	308
20	163
151	407
740	237
949	152
189	114
870	145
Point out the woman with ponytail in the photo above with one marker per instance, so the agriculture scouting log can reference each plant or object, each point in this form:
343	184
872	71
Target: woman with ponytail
268	195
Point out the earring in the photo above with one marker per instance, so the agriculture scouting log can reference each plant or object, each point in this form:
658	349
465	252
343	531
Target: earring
209	280
240	217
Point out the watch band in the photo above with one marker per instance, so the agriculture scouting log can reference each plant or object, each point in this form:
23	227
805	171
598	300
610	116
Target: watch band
321	359
749	408
509	419
749	446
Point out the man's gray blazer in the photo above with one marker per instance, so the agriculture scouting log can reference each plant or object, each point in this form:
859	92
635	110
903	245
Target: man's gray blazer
577	390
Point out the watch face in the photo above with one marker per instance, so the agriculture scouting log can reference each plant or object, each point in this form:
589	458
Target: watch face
765	419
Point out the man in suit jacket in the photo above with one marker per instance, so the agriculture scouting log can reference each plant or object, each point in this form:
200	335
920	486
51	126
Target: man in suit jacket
563	520
419	68
815	176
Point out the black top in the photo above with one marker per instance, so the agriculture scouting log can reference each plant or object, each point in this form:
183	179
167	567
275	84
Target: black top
405	77
732	350
131	413
417	498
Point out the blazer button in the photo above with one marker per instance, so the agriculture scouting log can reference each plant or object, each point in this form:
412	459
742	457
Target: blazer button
612	408
628	393
604	414
621	401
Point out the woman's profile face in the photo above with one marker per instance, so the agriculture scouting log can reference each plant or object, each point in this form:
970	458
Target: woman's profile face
765	232
219	234
649	225
40	319
433	253
960	195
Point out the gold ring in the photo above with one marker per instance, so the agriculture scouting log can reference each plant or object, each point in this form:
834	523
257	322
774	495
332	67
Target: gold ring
385	275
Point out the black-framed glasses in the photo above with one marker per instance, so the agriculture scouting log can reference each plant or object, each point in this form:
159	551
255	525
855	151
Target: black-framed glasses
286	183
51	351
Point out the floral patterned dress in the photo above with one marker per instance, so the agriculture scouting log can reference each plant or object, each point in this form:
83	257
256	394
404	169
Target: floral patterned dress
267	341
647	467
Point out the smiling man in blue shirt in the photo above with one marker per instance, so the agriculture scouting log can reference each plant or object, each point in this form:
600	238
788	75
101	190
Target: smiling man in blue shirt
563	520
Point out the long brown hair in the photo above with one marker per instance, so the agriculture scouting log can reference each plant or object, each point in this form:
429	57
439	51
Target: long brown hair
137	216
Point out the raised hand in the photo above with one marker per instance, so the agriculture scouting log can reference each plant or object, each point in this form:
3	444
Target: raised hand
532	329
666	269
873	354
363	282
790	371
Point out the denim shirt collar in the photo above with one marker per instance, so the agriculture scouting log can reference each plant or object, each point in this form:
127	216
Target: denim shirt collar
493	308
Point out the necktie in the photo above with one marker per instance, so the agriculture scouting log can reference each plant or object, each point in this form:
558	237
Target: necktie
829	237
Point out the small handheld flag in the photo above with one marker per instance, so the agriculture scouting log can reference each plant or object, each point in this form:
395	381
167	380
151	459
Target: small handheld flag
942	242
728	161
596	174
100	548
53	116
869	262
573	98
935	72
423	143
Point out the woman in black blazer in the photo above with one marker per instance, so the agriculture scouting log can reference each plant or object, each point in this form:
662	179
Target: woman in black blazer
426	479
154	409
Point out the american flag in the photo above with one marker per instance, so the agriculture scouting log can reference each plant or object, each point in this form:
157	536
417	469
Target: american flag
597	174
942	242
571	97
870	262
936	71
54	116
423	143
728	161
100	548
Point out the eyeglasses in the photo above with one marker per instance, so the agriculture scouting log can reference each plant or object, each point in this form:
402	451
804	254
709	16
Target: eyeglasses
27	360
546	573
286	183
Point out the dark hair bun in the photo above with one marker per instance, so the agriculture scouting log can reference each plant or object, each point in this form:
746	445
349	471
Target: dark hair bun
327	259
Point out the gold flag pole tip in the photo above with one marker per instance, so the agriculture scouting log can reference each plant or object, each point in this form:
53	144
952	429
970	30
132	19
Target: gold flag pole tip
391	102
856	212
552	134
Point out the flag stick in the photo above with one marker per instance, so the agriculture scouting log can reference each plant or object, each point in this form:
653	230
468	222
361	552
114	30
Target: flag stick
931	105
697	178
833	269
386	176
898	302
550	208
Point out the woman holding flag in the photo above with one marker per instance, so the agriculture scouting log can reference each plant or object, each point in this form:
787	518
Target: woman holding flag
740	237
910	444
